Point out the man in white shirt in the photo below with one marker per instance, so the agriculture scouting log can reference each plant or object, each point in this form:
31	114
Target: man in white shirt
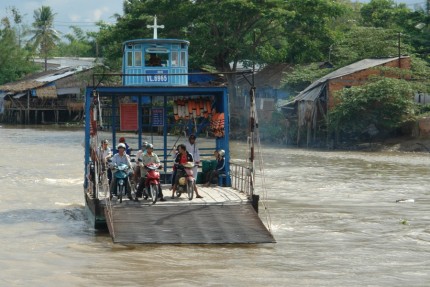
121	158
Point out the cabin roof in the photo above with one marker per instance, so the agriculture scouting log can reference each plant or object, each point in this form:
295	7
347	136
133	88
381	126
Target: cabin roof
156	41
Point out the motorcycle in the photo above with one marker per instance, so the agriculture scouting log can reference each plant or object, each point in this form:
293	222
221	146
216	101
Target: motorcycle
152	182
121	174
186	180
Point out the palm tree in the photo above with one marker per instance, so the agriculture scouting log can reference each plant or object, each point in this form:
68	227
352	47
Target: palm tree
44	35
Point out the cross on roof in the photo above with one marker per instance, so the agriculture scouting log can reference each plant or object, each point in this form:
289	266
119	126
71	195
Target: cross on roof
155	26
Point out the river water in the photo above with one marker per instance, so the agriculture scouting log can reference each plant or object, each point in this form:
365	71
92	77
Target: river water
334	216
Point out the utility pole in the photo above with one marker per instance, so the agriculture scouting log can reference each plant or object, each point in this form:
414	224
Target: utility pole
398	48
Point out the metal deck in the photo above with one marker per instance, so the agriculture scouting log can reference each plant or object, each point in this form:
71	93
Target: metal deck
222	216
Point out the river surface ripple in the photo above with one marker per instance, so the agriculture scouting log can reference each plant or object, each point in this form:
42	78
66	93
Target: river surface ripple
334	216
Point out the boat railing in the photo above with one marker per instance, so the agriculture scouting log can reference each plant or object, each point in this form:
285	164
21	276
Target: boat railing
241	178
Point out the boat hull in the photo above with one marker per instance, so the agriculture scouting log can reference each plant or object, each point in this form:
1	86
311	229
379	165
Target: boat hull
95	212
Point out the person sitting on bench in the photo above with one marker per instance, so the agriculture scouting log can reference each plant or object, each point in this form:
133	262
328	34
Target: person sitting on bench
219	169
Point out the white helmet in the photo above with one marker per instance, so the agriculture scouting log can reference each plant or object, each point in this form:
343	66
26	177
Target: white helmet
121	145
221	153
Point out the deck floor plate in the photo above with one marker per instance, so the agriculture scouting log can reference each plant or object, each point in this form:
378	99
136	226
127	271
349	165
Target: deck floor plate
188	224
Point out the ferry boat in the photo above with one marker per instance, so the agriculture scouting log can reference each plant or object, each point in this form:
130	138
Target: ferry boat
156	103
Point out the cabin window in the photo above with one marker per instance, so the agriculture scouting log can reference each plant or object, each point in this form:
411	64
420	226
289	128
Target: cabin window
137	59
156	59
183	58
137	47
175	62
129	59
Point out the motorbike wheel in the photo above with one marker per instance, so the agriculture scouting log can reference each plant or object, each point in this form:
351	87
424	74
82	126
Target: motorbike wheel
190	189
120	191
153	189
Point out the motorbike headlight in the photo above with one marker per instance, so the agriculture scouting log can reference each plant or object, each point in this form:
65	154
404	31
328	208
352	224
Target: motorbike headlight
121	182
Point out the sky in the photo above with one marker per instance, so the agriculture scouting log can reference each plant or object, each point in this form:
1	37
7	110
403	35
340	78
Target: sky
81	13
84	13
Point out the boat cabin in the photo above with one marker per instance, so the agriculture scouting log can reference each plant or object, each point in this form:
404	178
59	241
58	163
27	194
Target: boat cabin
155	62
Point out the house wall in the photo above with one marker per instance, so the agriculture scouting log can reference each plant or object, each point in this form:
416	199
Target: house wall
359	78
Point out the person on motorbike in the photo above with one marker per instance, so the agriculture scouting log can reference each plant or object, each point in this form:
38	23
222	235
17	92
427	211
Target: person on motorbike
104	153
145	159
120	158
127	147
136	171
182	158
219	169
193	149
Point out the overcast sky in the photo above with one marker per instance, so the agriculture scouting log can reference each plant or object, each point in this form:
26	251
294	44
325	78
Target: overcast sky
84	13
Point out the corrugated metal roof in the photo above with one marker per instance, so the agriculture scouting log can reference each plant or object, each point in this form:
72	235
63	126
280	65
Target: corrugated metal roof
55	76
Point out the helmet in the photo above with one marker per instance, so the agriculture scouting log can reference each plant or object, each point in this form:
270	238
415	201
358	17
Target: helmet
121	145
149	146
182	181
221	153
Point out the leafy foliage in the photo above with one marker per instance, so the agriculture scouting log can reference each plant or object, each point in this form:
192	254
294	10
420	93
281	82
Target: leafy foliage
383	14
302	75
44	35
308	30
14	61
80	45
384	102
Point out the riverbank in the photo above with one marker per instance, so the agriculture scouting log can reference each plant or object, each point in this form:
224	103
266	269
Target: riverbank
399	144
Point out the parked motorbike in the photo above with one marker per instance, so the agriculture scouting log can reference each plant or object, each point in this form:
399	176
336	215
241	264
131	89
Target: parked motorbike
121	173
186	180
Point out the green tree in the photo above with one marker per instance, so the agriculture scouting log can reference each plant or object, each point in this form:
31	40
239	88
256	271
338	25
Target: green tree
309	31
368	42
383	13
44	35
224	33
383	102
14	60
80	44
354	44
